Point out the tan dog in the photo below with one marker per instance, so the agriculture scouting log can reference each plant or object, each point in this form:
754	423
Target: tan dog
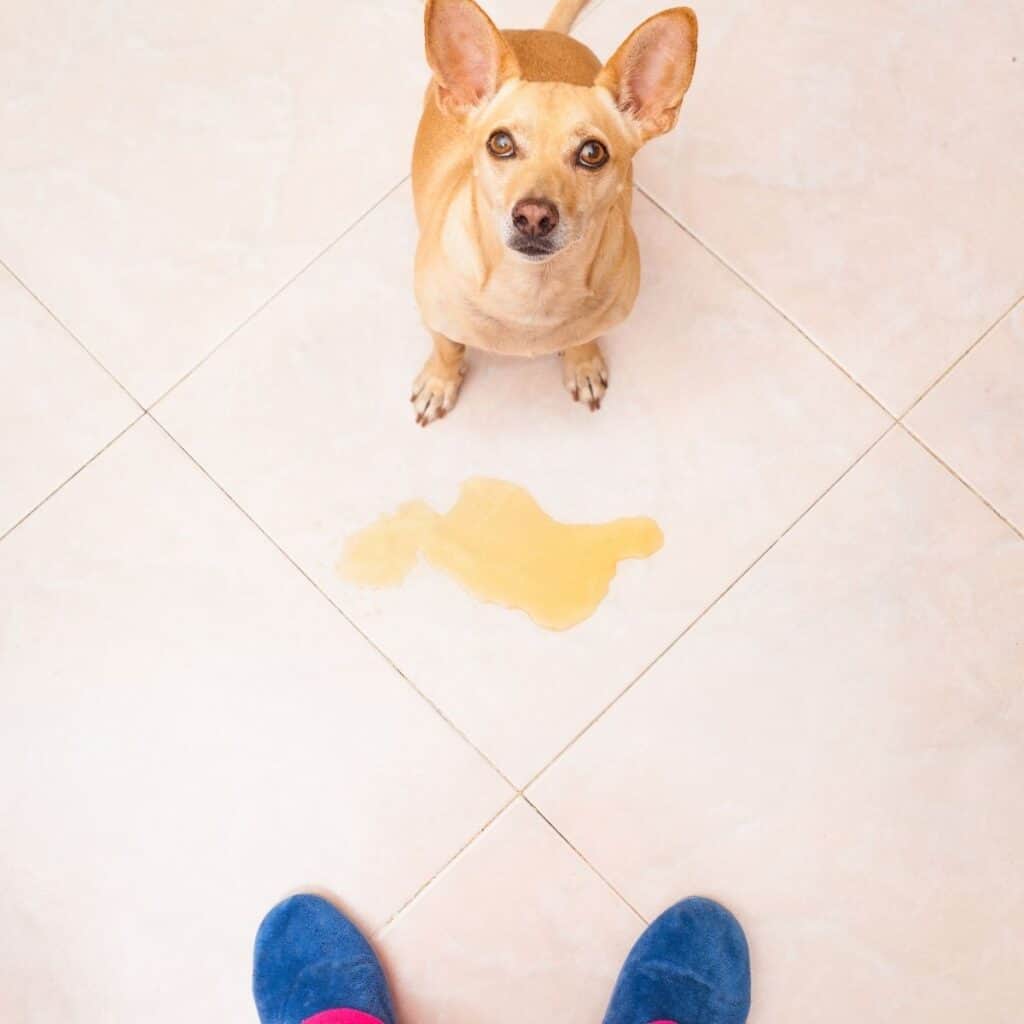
522	177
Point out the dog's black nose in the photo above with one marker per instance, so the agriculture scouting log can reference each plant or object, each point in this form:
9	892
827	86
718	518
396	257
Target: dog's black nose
535	218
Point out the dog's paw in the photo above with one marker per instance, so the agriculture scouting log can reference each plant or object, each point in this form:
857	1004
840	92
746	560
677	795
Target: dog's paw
586	375
436	390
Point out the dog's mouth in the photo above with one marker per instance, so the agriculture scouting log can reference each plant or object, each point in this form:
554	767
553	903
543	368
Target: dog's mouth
535	252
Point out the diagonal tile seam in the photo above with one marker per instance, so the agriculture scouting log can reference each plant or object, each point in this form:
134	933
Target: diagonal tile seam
520	792
323	593
280	290
986	331
949	469
464	849
143	410
517	792
88	462
708	607
714	254
913	405
74	337
448	864
960	358
579	853
896	424
913	435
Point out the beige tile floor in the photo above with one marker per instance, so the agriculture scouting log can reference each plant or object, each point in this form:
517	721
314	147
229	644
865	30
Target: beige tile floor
809	704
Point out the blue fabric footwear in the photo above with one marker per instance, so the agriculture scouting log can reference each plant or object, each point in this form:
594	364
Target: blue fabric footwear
690	966
310	958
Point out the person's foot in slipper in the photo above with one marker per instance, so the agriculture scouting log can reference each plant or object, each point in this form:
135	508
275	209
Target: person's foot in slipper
691	966
313	966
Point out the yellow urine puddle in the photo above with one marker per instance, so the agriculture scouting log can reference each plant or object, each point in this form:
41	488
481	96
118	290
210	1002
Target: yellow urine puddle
504	548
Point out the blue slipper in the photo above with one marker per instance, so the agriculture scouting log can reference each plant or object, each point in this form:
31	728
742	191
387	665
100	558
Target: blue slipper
691	966
310	959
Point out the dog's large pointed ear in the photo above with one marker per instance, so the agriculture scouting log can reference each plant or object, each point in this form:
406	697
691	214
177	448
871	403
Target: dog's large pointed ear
652	69
468	55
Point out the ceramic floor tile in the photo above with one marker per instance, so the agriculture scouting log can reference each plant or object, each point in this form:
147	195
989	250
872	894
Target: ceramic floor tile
519	14
57	407
518	928
974	419
859	164
167	168
835	751
721	422
188	732
529	13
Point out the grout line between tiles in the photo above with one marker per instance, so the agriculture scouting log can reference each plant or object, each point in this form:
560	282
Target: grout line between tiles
448	864
897	419
764	298
960	358
145	409
92	458
707	608
275	294
579	853
517	792
910	432
455	857
949	469
323	593
81	344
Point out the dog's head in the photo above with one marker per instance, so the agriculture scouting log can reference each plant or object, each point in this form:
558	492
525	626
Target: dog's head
550	158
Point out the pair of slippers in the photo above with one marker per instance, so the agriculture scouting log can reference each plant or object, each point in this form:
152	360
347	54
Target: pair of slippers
313	966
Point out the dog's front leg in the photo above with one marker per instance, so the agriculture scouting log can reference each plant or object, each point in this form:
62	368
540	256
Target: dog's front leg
436	389
585	374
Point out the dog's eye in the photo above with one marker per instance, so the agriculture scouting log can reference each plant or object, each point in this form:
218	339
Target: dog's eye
592	154
500	144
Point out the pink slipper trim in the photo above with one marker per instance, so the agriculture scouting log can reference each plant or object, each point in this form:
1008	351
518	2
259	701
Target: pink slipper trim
342	1017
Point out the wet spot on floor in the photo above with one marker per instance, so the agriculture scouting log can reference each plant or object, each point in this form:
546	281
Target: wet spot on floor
504	548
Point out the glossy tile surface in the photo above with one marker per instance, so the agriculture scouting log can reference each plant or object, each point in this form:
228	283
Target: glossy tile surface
57	407
834	751
857	163
974	419
178	749
806	704
186	161
722	424
518	928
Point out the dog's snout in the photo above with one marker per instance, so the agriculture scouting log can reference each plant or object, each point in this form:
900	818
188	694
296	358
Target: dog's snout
535	218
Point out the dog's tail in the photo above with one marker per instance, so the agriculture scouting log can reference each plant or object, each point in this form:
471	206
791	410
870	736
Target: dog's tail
564	14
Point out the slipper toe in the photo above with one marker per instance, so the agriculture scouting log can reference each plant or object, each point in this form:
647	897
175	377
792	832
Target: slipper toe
691	966
309	958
